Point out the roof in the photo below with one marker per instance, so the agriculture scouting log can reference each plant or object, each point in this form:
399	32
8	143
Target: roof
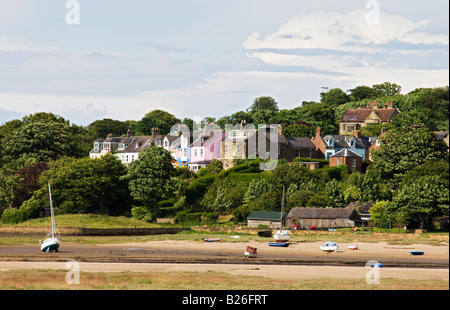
441	135
322	213
346	153
265	215
363	207
300	142
360	114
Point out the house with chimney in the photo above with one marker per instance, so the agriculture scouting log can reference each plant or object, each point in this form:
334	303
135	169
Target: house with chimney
327	145
126	148
248	142
205	148
347	157
354	119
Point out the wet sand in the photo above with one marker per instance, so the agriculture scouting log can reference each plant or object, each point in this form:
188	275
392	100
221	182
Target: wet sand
299	260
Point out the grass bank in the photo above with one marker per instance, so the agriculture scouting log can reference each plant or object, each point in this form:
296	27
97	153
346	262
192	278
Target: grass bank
182	280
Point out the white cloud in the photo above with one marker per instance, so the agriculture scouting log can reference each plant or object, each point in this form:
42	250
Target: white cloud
348	32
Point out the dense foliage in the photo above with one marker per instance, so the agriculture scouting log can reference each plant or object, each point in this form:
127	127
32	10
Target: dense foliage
407	180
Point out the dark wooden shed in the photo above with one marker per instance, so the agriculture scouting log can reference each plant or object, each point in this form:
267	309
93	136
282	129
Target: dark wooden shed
323	217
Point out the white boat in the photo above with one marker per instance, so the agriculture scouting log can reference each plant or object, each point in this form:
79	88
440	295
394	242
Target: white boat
329	246
52	241
281	235
353	247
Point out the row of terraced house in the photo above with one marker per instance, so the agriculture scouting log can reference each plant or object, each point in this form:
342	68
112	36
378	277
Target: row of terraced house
199	148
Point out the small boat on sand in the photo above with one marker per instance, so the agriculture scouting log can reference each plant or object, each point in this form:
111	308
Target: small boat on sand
281	236
329	246
413	252
211	239
353	247
279	244
250	252
52	241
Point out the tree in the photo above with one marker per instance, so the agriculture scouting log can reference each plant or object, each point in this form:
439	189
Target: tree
403	149
36	142
387	89
150	179
156	119
378	212
334	97
86	185
263	110
102	128
362	92
321	115
419	200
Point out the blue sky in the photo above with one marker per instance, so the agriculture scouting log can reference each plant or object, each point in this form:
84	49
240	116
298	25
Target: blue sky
209	57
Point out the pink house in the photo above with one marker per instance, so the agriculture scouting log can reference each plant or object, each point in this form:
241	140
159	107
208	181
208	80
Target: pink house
205	148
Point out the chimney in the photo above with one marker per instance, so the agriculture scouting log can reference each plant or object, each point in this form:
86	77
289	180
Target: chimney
130	133
155	132
280	129
357	134
373	104
388	105
318	129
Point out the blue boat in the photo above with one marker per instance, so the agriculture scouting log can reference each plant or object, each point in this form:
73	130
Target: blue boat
279	244
413	252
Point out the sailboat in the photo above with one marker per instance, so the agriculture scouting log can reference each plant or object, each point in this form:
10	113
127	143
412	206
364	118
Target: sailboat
52	240
281	235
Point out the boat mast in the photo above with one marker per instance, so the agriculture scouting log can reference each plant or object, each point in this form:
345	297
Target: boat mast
51	211
282	209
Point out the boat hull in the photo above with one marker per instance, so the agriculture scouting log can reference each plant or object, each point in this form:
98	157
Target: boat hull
279	244
329	248
211	239
50	244
416	252
249	254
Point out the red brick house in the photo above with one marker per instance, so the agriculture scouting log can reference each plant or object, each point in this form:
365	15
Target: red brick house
347	157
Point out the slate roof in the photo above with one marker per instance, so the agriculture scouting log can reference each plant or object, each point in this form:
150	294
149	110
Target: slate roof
321	213
360	114
300	142
345	153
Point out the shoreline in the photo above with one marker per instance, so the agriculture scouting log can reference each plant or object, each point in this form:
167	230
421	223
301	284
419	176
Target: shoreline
194	252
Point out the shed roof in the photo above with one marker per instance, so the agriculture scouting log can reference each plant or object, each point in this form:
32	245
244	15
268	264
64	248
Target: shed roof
321	213
265	215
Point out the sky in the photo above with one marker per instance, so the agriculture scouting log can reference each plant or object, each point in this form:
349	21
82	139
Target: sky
209	58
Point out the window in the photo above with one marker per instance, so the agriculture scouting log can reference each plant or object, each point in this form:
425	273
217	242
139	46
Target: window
201	152
353	162
308	153
195	153
338	161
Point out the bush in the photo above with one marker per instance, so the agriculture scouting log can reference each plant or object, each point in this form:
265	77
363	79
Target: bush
322	162
28	210
197	218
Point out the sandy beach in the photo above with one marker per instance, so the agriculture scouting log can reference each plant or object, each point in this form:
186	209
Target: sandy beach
299	260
